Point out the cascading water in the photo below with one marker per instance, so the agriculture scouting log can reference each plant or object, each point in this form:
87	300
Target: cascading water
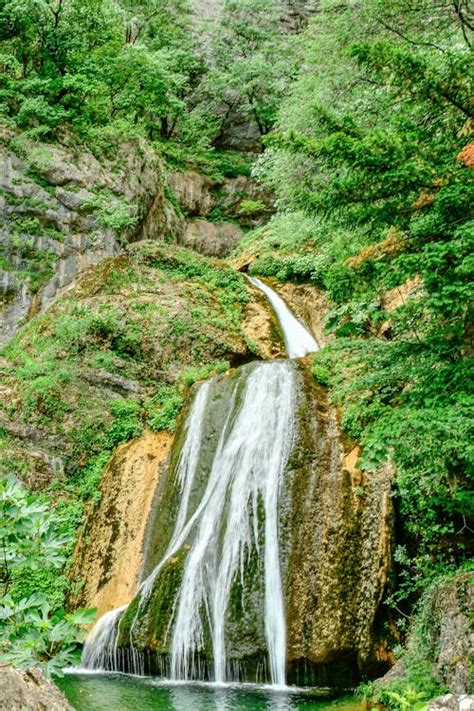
298	340
243	487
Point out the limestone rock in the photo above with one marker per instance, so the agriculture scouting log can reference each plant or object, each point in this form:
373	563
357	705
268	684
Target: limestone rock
213	239
29	691
340	534
448	609
452	702
193	192
198	195
109	553
50	231
262	330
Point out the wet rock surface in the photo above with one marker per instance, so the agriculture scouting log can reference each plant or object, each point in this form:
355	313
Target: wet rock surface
339	532
109	554
336	529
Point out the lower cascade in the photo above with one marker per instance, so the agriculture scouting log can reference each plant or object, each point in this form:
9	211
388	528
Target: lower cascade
227	481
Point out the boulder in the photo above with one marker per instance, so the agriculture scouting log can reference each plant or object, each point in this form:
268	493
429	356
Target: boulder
213	239
452	702
29	690
450	638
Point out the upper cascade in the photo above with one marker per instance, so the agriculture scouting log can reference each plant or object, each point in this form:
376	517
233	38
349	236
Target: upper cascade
298	340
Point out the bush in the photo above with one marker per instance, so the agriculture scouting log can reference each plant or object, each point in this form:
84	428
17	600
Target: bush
164	408
127	422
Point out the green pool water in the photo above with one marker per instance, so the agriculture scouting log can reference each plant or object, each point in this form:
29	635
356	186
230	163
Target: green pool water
97	692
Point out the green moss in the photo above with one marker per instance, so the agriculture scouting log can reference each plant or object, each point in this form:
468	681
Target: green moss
154	616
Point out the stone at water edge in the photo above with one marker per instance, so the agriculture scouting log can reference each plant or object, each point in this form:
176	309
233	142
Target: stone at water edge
452	702
29	690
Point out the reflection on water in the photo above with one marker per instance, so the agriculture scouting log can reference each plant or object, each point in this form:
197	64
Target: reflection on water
115	692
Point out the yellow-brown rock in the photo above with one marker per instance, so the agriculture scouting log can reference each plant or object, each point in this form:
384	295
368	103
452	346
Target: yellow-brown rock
108	555
308	303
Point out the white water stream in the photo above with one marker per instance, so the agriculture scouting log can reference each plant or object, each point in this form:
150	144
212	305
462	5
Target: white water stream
298	340
247	471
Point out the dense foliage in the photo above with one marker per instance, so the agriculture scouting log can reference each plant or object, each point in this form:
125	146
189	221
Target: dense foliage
34	629
370	164
140	66
367	121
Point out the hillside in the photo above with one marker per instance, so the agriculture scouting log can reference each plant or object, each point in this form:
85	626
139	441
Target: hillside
153	156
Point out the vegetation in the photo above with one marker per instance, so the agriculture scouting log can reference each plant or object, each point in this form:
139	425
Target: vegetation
138	66
368	161
89	375
34	538
366	119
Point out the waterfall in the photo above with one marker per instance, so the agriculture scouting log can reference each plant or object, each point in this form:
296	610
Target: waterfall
248	465
298	340
245	478
100	648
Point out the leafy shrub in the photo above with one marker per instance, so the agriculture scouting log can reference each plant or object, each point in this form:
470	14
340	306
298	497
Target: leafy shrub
111	211
33	634
252	207
164	408
127	422
32	631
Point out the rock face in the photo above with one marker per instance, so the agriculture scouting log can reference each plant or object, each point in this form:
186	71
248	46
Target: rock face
240	197
108	556
340	533
206	204
213	239
336	532
29	691
261	328
452	702
448	639
62	210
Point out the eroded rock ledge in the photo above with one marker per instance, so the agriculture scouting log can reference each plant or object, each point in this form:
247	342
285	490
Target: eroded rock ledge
29	691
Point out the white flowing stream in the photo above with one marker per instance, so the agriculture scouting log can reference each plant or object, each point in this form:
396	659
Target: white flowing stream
247	472
298	340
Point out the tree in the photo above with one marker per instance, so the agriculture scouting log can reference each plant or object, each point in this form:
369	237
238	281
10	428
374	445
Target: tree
252	62
369	145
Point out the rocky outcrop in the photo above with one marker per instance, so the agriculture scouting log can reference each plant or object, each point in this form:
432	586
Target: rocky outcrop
212	239
443	631
29	691
205	204
340	536
240	198
193	191
452	702
109	554
262	330
336	535
61	210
